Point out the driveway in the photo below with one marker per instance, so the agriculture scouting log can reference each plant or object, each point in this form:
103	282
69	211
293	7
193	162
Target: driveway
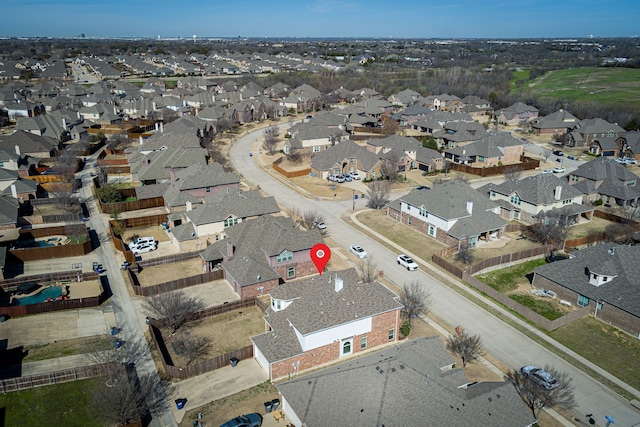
501	340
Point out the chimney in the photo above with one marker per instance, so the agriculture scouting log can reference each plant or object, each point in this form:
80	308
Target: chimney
161	126
470	206
338	284
156	125
18	150
172	176
189	207
64	123
558	192
140	140
14	193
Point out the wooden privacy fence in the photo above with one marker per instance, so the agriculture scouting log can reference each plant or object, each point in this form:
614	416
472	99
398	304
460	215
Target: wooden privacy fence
51	252
60	276
525	312
49	378
209	364
173	285
526	163
134	205
507	258
168	259
289	174
47	307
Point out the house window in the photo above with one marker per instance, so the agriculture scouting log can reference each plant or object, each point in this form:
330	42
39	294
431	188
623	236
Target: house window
583	301
346	347
423	212
316	148
516	215
230	221
207	189
363	342
480	158
600	306
284	256
291	272
432	231
409	220
392	333
515	200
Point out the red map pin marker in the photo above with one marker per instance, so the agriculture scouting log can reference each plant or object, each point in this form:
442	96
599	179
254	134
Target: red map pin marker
320	255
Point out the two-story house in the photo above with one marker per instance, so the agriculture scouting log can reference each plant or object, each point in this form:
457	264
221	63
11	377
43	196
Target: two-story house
492	150
516	113
346	157
321	319
452	213
523	199
607	180
585	131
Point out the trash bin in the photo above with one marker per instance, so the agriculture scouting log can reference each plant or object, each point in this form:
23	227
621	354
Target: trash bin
117	344
275	404
234	361
114	330
267	407
180	403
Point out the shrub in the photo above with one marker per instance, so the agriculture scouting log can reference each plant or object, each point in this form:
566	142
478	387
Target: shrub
598	202
405	329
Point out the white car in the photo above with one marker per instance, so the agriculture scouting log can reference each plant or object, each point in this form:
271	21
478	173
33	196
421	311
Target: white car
407	262
142	241
559	170
354	175
630	161
358	251
143	248
546	171
320	225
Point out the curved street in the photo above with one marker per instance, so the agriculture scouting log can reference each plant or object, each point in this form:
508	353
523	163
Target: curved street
500	339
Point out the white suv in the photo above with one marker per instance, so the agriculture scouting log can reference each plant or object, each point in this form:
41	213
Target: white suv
142	241
407	262
143	248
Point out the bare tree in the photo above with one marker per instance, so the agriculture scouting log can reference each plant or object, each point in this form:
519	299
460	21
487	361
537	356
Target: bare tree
389	166
62	192
294	156
172	309
270	142
195	346
131	397
378	194
551	227
464	254
390	127
546	153
368	270
466	347
296	215
512	173
415	298
537	397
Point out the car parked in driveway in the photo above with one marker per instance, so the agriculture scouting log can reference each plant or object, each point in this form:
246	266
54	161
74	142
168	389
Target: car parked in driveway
335	178
248	420
358	251
347	177
407	262
142	240
540	377
354	175
547	171
143	248
559	170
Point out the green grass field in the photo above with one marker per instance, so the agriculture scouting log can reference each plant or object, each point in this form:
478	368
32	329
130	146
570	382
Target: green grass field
508	279
593	84
67	404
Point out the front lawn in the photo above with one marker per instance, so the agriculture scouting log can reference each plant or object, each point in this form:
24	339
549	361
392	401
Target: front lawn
67	404
608	347
544	308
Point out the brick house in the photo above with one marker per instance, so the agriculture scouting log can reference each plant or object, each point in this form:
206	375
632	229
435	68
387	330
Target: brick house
517	113
346	157
559	122
585	131
259	254
603	277
318	320
607	180
492	150
451	213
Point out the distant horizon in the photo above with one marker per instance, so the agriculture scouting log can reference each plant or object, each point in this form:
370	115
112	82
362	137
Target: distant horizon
321	19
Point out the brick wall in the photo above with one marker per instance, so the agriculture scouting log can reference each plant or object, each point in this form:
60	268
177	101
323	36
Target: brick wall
253	291
303	269
421	226
609	313
378	336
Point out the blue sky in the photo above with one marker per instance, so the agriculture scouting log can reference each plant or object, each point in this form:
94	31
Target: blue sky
321	18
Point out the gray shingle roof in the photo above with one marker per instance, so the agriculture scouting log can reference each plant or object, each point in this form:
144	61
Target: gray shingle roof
202	175
241	204
621	261
371	390
537	189
346	150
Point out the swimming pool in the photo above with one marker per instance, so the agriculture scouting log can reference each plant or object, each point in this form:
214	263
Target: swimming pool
52	292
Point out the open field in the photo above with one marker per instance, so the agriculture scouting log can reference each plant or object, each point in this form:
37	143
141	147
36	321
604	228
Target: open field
608	85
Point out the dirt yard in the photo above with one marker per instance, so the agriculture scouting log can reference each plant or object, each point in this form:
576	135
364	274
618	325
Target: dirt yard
227	332
165	273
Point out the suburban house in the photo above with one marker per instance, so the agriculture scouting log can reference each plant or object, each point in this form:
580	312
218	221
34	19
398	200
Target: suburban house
410	115
458	133
371	390
442	102
346	157
606	147
607	180
492	150
312	138
629	144
9	213
560	123
156	167
451	213
476	107
208	221
437	119
198	180
523	199
404	98
602	277
317	320
407	152
586	131
259	254
516	113
27	144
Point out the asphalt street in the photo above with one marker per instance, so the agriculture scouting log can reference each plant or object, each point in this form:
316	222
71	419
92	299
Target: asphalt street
501	340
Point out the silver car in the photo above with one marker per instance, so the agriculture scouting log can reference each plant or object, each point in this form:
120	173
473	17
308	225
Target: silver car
540	376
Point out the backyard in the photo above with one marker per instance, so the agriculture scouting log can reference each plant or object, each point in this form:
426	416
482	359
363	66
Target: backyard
227	332
151	276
